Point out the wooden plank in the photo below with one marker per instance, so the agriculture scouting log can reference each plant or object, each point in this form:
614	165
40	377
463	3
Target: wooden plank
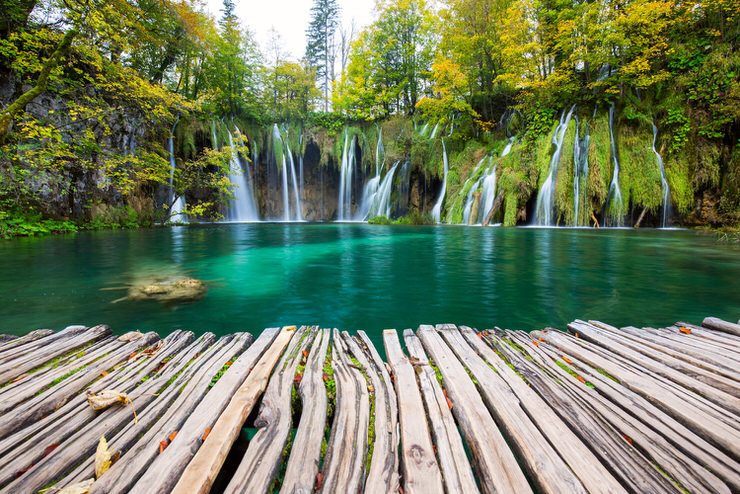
621	440
666	365
584	464
11	369
545	466
161	474
15	394
648	359
383	472
497	468
174	401
419	467
712	362
49	432
456	470
723	343
720	325
303	462
16	343
35	344
55	397
344	463
655	416
261	462
200	473
139	455
82	444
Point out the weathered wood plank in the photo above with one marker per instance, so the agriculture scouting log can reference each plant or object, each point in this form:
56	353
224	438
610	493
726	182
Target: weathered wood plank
720	325
261	462
382	475
303	462
420	470
37	344
456	470
710	385
656	417
182	394
344	463
14	344
199	475
545	466
496	466
11	369
55	397
165	470
383	472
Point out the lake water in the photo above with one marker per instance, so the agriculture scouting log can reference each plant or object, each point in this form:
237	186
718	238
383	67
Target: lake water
356	276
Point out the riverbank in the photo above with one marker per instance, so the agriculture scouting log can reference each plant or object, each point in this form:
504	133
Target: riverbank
594	409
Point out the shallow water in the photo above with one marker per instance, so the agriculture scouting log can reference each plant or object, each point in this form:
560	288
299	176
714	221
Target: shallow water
355	276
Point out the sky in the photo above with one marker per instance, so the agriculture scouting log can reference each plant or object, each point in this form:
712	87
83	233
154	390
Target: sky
290	19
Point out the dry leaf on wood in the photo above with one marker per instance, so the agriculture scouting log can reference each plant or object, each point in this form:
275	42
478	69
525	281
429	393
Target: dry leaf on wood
78	488
107	398
102	458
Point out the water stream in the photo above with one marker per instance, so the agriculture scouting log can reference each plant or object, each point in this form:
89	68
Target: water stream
545	198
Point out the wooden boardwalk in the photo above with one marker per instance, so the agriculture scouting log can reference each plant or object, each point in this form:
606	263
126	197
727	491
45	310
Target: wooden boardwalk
298	410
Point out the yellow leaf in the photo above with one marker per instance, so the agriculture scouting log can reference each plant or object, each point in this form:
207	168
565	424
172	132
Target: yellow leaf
102	458
78	488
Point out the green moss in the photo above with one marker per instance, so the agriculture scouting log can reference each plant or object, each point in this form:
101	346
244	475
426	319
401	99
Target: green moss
599	161
639	170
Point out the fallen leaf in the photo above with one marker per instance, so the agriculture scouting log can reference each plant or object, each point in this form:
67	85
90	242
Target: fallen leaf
107	398
172	436
685	330
50	448
102	458
370	388
305	353
581	379
104	373
78	488
298	378
567	359
162	446
205	433
628	439
535	343
319	480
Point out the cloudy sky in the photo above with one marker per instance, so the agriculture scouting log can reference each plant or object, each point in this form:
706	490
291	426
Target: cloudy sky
290	18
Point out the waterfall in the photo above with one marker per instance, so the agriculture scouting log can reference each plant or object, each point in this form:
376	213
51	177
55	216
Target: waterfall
437	209
470	198
508	147
344	205
296	194
243	207
403	189
301	180
434	131
486	184
279	152
377	200
614	200
176	213
488	194
370	191
663	180
545	207
580	170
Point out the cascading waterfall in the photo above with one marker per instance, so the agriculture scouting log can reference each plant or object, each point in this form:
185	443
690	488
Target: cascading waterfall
509	145
243	207
370	191
434	131
344	205
543	214
663	180
470	198
580	170
279	150
486	187
437	209
296	194
614	201
176	213
380	202
488	194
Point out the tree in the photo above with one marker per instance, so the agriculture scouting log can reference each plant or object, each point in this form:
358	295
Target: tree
320	43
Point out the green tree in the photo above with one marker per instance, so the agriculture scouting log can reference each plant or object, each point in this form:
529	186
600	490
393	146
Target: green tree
321	43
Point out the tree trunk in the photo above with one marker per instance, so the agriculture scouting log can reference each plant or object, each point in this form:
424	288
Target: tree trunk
7	115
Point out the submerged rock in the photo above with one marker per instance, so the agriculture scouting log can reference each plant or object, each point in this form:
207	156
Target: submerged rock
170	290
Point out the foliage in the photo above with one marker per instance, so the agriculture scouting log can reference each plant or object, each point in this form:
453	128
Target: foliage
321	45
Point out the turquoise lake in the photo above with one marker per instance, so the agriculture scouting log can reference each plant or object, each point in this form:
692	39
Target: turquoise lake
357	276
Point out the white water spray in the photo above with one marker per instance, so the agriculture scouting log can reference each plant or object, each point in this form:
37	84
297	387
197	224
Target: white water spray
437	209
545	198
663	180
